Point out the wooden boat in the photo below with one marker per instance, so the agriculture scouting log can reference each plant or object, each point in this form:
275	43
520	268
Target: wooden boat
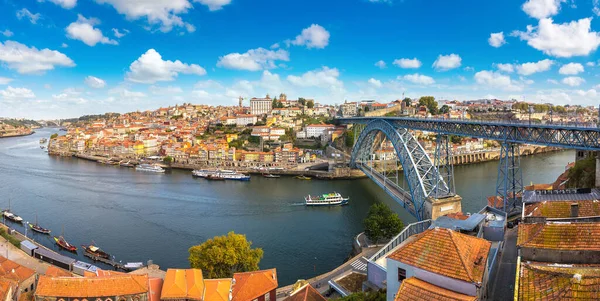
303	177
215	178
11	216
61	242
95	252
271	176
37	228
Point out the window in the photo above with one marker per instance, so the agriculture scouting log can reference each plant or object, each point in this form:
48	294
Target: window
401	274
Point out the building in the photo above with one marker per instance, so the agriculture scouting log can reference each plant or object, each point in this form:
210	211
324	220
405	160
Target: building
316	130
7	290
544	281
108	288
183	285
261	106
258	285
22	276
415	289
348	109
305	293
245	119
217	290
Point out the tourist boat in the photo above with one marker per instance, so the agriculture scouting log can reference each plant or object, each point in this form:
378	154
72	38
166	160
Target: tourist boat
149	167
95	252
43	140
303	177
220	174
215	178
271	176
37	228
329	199
202	173
234	176
61	242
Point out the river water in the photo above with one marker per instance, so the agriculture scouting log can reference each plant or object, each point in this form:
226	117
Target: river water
138	216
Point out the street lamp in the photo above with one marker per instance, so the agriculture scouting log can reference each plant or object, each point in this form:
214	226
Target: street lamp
530	111
550	115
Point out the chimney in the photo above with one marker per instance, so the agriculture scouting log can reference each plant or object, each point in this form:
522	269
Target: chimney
574	210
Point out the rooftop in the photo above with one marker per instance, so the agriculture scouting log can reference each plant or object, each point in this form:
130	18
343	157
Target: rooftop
79	287
558	282
414	289
562	209
183	284
560	236
251	285
306	293
217	289
446	252
13	271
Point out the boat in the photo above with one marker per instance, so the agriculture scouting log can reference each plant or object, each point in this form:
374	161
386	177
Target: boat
234	176
42	147
37	228
11	216
95	252
302	177
201	173
220	174
43	140
329	199
61	242
127	164
149	167
215	178
271	176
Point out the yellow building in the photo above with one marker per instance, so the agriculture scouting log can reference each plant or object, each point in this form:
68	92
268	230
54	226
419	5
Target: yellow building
231	137
138	148
271	121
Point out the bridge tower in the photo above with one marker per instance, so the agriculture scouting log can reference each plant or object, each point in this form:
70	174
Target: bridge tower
509	184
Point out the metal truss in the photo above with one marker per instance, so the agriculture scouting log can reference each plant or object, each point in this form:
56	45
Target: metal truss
444	186
509	184
574	137
420	172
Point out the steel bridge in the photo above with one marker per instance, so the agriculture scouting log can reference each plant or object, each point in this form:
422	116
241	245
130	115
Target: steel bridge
427	178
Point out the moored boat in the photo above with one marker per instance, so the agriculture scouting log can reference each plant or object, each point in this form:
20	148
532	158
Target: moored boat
126	164
329	199
150	168
234	176
220	175
61	242
215	178
39	229
12	217
271	176
302	177
95	251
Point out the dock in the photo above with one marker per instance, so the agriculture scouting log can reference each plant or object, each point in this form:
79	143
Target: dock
114	264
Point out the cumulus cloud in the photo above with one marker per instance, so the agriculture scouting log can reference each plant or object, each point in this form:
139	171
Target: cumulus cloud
573	81
591	93
208	84
408	63
150	68
418	79
447	62
314	36
571	69
531	68
375	83
497	39
28	60
496	80
323	78
540	9
11	93
126	93
5	80
67	4
253	59
25	13
509	68
118	34
7	33
169	90
83	29
94	82
214	4
561	40
380	64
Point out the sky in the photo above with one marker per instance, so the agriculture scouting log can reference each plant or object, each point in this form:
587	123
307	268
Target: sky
66	58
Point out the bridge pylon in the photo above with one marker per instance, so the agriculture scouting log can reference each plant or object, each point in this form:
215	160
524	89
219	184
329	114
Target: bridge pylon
509	184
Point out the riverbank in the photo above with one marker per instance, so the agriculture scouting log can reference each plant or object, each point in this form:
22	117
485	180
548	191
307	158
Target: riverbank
11	135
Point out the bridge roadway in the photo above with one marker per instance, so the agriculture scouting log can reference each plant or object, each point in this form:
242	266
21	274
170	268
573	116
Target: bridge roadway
582	137
400	195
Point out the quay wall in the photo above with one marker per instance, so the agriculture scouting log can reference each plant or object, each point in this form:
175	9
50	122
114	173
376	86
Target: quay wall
9	135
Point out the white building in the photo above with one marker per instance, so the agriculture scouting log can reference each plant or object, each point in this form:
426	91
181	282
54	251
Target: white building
348	109
243	119
316	130
260	106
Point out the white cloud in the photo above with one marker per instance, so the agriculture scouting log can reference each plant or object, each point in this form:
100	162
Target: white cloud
375	83
7	33
497	80
314	36
169	90
274	46
67	4
126	93
571	69
162	13
418	79
5	80
11	93
208	84
64	45
509	68
540	9
531	68
25	13
408	63
323	78
150	68
561	40
380	64
70	95
573	81
119	34
553	81
83	30
497	39
214	4
590	64
591	93
469	68
253	59
31	60
447	62
94	82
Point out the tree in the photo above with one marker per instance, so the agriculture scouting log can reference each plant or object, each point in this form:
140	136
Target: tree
407	101
302	101
430	103
583	174
222	256
168	160
444	109
382	222
349	138
53	136
310	104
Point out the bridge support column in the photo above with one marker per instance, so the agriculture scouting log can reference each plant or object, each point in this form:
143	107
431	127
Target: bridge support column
443	206
509	184
444	172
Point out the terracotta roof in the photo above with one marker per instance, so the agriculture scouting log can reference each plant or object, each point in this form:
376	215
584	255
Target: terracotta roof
20	274
306	293
217	289
53	271
78	287
547	282
446	252
155	285
562	209
560	236
414	289
251	285
183	284
5	286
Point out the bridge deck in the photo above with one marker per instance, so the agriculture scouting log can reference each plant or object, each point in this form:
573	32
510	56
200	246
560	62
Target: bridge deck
396	192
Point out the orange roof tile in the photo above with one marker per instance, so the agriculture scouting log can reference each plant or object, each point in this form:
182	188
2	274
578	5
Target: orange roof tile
446	252
562	209
78	287
155	288
53	271
306	293
251	285
414	289
560	236
217	289
20	274
5	288
183	283
547	282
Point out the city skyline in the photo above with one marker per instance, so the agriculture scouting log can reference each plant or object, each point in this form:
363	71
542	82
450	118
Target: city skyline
65	58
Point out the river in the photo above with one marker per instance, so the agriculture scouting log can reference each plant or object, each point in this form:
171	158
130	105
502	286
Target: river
138	216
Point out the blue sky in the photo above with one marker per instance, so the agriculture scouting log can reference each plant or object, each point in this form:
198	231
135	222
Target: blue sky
64	58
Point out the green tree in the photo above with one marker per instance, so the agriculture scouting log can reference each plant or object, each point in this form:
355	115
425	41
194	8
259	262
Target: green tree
349	138
382	223
310	103
430	103
583	174
168	160
302	101
53	136
444	109
222	256
407	101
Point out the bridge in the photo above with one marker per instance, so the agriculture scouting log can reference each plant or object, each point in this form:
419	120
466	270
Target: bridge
430	185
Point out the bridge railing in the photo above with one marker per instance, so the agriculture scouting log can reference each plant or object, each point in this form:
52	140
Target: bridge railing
410	230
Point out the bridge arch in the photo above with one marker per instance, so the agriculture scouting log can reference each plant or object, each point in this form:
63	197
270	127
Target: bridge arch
422	176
